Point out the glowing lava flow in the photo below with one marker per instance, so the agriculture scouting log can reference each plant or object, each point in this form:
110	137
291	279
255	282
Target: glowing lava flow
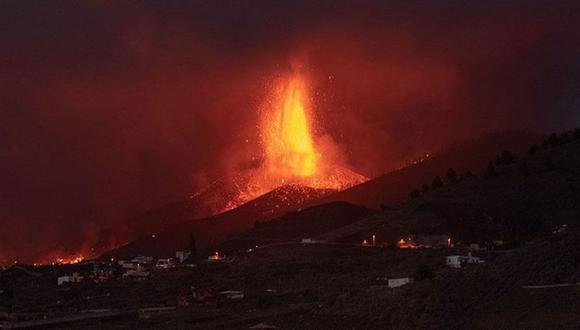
286	134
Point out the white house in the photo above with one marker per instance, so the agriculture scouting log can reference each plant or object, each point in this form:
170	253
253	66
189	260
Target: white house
232	295
397	282
164	263
457	261
74	278
182	255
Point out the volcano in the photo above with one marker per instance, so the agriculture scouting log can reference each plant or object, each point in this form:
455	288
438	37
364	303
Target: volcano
290	157
212	230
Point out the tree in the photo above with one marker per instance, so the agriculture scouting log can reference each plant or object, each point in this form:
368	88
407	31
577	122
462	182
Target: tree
490	169
383	206
576	134
524	169
545	144
425	188
192	246
437	182
451	176
564	138
468	175
553	139
497	161
423	272
415	194
549	165
533	149
507	157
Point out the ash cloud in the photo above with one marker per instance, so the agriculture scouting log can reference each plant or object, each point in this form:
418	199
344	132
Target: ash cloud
110	108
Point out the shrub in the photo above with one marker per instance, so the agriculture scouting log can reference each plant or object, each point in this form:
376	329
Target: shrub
425	188
533	149
507	157
423	272
490	169
524	169
451	176
549	165
576	134
437	182
415	194
553	139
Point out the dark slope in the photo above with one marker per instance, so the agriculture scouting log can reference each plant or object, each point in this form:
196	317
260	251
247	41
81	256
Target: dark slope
297	225
213	230
394	187
511	205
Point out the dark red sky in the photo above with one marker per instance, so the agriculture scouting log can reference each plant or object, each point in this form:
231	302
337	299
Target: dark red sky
109	108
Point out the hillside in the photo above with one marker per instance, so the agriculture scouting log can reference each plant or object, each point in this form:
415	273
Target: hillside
527	197
297	225
213	230
394	187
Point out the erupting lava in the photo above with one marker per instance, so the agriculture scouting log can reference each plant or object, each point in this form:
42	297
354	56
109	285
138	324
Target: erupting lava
286	134
290	153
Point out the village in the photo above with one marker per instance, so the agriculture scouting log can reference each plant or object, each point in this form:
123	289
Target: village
117	275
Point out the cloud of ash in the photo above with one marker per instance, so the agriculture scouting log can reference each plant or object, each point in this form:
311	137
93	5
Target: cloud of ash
111	108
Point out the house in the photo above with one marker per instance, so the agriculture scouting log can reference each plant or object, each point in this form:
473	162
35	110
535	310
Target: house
232	295
136	274
397	282
311	241
142	260
164	263
74	278
182	255
128	264
457	261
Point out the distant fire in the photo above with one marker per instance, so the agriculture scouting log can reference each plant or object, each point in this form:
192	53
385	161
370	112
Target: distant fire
68	260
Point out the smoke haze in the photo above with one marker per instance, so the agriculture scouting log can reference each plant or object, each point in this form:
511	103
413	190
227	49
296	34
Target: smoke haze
111	108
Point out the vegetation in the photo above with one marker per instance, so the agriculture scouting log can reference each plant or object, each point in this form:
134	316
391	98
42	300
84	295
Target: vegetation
451	175
415	193
437	182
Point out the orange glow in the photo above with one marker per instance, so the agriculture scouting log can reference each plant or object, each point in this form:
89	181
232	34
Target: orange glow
68	260
288	148
406	244
287	133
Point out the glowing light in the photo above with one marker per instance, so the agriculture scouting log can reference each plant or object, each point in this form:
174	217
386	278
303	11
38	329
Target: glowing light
286	133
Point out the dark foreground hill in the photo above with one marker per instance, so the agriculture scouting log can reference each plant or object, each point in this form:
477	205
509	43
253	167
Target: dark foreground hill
298	225
309	286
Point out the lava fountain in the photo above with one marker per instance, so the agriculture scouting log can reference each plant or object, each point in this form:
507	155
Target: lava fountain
288	149
287	134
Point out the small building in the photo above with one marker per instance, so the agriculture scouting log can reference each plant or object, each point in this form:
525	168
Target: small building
136	274
74	278
458	261
397	282
142	260
312	241
181	256
164	263
232	295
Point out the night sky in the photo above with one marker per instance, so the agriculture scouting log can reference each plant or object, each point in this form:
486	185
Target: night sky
111	108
